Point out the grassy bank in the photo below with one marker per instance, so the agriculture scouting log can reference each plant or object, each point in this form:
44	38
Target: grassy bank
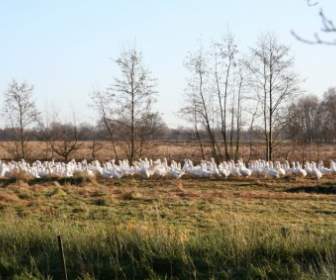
164	229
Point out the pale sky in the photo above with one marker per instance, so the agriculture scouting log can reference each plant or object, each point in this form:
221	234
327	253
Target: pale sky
65	47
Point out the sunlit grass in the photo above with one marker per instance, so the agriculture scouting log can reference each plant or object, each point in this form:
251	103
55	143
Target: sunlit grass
168	229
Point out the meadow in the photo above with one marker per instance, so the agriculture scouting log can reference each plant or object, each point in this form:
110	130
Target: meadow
216	164
160	228
179	150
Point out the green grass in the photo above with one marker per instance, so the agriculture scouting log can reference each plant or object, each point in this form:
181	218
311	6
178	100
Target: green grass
167	229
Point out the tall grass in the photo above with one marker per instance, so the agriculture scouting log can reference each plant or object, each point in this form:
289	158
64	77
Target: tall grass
28	250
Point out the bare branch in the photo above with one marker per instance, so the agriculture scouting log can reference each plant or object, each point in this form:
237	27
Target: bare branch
328	27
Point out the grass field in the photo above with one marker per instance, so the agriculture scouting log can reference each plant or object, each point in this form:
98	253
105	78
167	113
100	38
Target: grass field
174	150
167	229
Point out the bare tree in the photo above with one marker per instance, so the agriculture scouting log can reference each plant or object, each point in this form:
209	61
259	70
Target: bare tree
274	81
328	28
44	136
150	128
64	139
191	114
103	104
21	112
134	93
254	115
44	133
95	147
224	54
239	112
127	103
199	99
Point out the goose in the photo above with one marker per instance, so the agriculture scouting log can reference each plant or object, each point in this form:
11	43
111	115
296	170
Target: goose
244	171
146	172
316	172
177	173
333	166
298	170
224	170
149	167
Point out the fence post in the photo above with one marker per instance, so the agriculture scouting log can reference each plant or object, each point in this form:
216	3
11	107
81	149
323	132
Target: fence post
62	259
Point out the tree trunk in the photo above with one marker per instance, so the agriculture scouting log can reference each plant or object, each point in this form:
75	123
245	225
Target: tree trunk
265	114
221	111
207	121
232	126
131	158
238	118
22	143
21	131
132	154
107	125
198	136
270	121
226	89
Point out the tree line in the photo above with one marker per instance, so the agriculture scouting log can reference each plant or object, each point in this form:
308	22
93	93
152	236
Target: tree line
230	98
313	120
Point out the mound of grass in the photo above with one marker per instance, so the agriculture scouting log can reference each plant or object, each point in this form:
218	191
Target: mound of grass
131	195
21	175
56	191
100	202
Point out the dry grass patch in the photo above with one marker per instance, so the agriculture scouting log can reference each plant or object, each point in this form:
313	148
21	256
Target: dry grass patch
9	198
131	195
21	175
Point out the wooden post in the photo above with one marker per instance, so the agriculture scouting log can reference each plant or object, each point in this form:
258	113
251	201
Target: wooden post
62	259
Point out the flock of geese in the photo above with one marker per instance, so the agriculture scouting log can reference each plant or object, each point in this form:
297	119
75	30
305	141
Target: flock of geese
147	168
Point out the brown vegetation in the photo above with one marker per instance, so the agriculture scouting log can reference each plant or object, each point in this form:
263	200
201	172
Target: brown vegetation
177	151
